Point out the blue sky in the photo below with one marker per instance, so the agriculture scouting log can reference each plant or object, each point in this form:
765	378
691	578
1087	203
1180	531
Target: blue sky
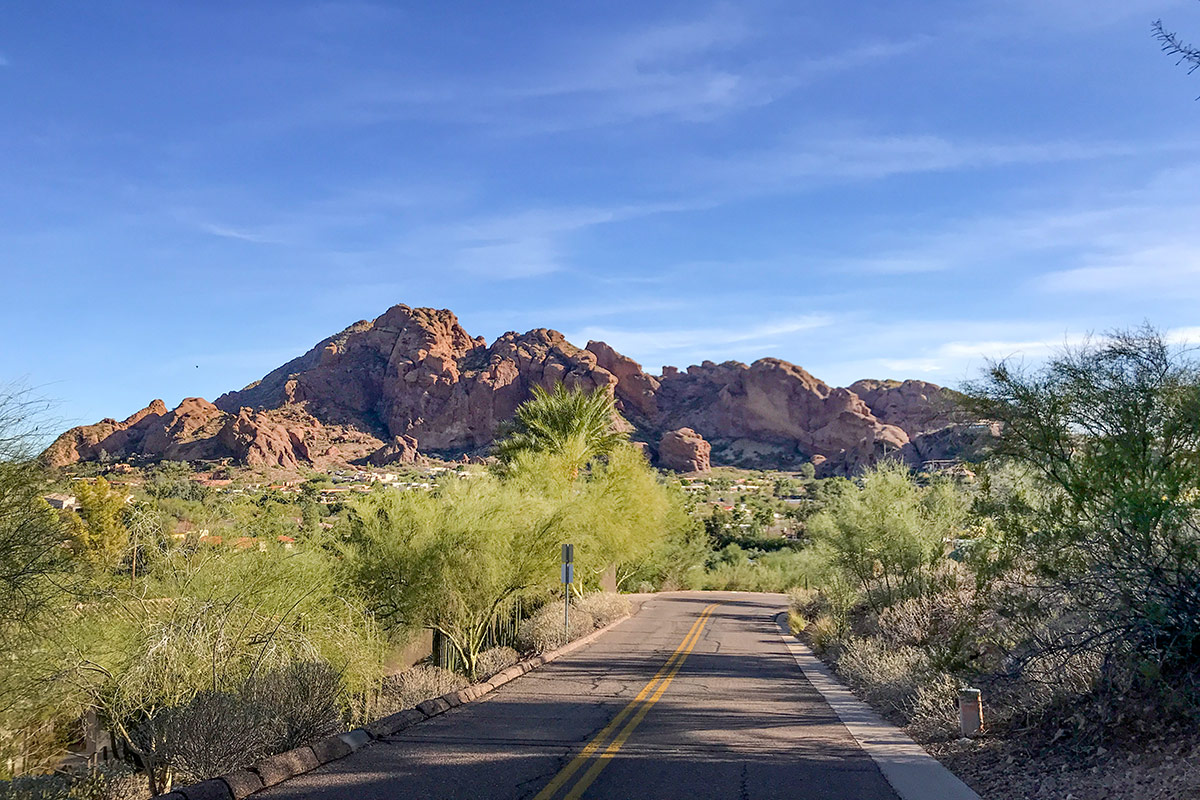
190	194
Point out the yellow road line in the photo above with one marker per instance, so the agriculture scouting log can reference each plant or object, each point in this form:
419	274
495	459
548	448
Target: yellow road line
598	741
602	760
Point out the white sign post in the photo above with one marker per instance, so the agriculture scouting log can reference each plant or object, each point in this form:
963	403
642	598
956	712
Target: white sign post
568	577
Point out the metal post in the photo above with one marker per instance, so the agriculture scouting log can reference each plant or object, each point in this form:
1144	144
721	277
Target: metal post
568	575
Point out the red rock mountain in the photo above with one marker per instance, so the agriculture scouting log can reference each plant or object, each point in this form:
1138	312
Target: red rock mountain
413	378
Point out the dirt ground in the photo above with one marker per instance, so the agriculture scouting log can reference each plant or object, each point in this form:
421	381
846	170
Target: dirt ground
1003	770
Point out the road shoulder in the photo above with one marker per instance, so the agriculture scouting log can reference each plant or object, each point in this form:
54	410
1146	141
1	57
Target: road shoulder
912	773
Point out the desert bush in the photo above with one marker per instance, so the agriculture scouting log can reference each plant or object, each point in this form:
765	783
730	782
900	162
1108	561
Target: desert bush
220	622
888	536
187	737
824	633
603	607
1109	433
416	685
933	711
797	622
273	712
113	781
887	679
495	659
836	598
946	625
806	602
303	701
544	630
454	559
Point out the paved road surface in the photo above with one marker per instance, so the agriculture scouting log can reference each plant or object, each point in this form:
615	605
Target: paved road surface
684	700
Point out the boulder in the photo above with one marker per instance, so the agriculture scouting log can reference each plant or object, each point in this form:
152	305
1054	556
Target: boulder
684	450
400	450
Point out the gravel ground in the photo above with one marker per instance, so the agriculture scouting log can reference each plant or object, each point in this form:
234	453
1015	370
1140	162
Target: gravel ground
1000	770
1038	769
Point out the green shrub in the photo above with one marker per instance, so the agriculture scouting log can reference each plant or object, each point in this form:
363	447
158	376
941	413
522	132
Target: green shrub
888	537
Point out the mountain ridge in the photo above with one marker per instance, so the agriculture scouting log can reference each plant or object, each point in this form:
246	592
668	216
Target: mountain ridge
413	379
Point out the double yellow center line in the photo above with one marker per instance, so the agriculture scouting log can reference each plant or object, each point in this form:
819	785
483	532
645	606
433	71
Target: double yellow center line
638	707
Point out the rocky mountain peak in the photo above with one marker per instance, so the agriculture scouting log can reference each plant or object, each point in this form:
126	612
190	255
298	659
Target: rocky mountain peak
414	377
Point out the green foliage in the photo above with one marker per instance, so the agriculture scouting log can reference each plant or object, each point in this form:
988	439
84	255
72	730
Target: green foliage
173	479
451	561
101	537
31	535
889	535
571	423
1105	523
202	621
735	569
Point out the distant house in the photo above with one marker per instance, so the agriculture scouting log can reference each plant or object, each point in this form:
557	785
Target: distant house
62	501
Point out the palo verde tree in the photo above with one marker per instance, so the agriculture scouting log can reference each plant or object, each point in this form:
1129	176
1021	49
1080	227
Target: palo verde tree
1110	541
455	559
889	535
31	533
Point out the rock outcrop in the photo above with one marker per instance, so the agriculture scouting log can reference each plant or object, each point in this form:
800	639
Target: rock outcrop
915	407
106	438
400	450
636	392
684	450
774	414
376	389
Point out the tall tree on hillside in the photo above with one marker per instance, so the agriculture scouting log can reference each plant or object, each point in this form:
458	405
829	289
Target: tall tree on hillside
571	423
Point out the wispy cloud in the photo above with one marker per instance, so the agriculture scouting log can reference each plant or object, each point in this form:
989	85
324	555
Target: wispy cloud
952	360
814	159
227	232
4	62
1157	269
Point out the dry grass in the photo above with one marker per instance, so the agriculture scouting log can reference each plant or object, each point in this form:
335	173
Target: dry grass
116	781
493	660
604	607
416	685
824	633
544	630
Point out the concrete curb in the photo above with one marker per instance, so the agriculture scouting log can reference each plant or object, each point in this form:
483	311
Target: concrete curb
277	769
912	773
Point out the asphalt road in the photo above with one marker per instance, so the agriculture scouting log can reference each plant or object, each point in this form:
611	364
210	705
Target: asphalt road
684	700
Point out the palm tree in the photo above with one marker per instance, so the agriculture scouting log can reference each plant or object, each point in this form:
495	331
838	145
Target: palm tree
572	423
